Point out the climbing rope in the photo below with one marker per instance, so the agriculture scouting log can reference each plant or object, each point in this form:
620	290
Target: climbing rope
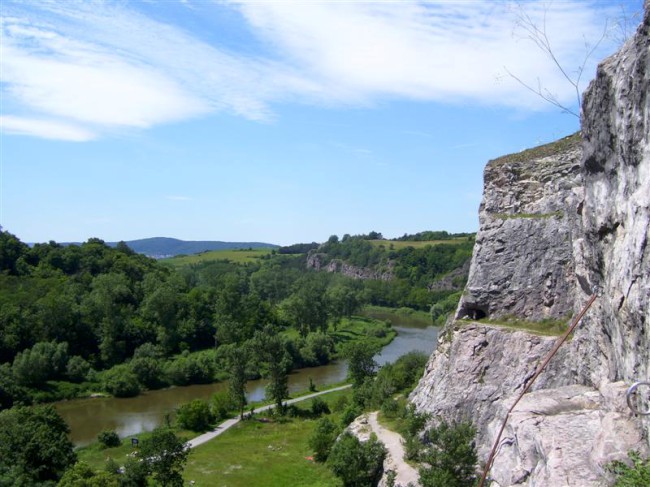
539	370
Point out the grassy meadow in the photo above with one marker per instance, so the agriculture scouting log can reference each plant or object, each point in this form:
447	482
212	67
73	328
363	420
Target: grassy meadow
270	453
398	244
238	256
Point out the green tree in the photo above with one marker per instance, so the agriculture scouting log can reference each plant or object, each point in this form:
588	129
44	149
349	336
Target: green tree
77	369
82	475
237	359
165	455
307	309
450	457
322	439
278	362
11	249
34	446
361	364
195	416
357	464
45	360
121	382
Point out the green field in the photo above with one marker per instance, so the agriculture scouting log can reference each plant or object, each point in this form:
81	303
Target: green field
399	316
263	453
254	452
238	256
398	244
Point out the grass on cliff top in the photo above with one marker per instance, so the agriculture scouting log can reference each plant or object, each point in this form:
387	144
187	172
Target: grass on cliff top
546	327
545	150
399	316
399	244
233	255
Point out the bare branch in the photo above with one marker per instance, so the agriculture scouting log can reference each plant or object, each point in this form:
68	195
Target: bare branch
543	93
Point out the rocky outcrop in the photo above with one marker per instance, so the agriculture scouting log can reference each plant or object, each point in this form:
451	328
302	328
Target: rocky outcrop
555	227
320	262
523	258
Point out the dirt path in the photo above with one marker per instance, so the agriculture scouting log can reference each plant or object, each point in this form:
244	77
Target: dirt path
395	458
229	423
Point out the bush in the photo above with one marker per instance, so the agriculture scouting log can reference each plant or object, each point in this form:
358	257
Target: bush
191	369
120	381
322	439
390	408
77	369
356	463
349	414
148	371
341	403
109	439
221	405
319	407
451	456
195	416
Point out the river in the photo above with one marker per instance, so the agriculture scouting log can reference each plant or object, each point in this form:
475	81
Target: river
129	416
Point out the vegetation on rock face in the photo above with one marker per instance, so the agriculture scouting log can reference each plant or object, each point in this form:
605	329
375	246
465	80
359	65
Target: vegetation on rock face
635	475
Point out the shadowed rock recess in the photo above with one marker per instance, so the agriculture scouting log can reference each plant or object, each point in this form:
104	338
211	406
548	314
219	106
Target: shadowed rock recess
557	223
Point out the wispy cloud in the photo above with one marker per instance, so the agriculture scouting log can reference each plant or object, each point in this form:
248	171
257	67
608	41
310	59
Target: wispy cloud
74	70
46	129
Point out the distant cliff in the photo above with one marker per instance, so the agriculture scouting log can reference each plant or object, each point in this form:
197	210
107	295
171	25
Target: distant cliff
557	224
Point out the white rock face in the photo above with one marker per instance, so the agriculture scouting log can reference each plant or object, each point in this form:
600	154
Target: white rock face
553	228
523	258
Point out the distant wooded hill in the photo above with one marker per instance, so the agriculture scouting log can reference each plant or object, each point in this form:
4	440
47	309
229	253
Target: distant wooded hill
158	247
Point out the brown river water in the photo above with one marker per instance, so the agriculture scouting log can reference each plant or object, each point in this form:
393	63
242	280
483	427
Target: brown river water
130	416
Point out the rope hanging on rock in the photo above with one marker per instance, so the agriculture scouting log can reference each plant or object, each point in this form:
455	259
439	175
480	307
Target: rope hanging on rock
548	358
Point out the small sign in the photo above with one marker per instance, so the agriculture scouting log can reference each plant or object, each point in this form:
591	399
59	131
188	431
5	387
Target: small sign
134	442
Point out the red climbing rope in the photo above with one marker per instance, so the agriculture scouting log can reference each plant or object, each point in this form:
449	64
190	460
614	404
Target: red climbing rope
548	358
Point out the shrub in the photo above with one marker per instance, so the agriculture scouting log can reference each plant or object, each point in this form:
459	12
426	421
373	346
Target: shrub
637	475
349	414
120	381
451	457
390	408
319	407
221	405
322	439
357	463
148	371
77	369
195	416
341	403
109	439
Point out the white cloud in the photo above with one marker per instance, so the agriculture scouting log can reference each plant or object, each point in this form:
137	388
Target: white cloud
46	129
444	51
73	70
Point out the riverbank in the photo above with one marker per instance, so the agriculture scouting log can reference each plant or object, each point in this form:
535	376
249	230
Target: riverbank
96	456
87	417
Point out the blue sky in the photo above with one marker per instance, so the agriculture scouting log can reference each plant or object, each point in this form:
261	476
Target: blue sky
270	121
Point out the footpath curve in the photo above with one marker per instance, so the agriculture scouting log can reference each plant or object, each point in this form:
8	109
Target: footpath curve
405	473
229	423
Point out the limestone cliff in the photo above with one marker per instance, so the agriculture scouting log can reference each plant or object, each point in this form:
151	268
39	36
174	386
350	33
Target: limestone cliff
556	224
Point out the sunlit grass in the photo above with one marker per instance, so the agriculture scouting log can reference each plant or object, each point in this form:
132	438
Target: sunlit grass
237	256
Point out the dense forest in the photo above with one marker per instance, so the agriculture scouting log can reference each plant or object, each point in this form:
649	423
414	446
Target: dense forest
91	317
